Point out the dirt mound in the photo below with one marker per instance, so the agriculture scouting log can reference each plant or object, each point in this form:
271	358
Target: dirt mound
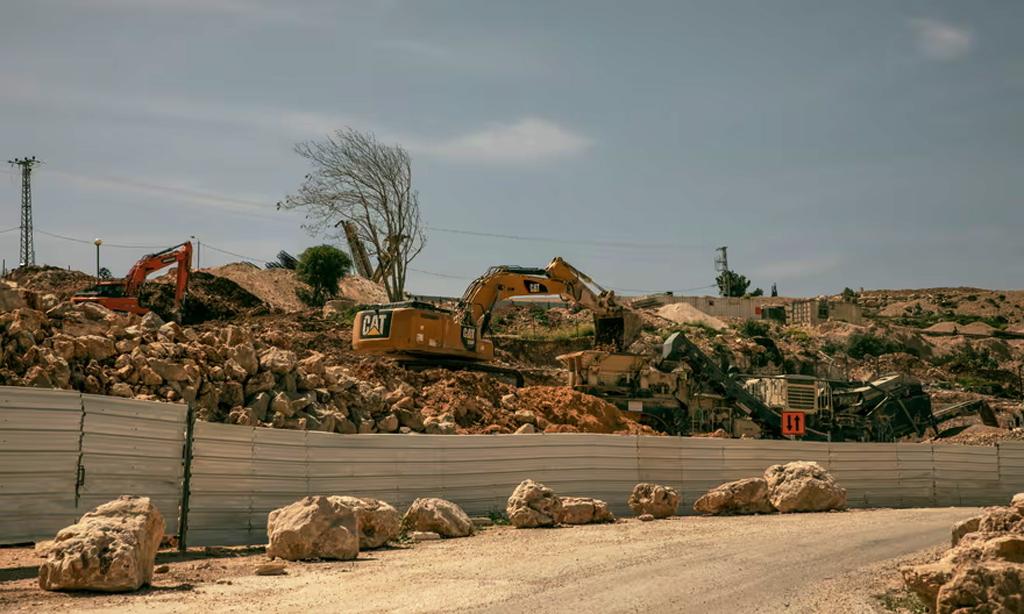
362	291
981	435
684	313
209	297
51	280
570	411
278	288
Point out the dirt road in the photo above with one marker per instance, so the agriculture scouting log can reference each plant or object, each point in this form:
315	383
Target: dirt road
791	563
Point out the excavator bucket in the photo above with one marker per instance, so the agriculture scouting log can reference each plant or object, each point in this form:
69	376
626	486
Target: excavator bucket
618	331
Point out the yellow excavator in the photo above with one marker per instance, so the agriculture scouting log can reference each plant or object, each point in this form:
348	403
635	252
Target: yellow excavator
423	335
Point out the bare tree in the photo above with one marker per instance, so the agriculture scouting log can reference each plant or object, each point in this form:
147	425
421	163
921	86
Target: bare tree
358	179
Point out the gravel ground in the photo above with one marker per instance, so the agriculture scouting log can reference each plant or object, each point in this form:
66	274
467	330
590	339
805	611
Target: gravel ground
834	562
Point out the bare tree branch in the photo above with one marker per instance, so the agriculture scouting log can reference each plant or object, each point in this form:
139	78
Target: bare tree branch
358	179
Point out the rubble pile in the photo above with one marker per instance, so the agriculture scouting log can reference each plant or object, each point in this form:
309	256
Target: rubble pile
270	372
983	571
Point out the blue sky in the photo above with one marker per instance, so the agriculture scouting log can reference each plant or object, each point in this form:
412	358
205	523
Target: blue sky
828	144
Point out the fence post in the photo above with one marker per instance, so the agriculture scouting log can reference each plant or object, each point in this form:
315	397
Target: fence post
190	425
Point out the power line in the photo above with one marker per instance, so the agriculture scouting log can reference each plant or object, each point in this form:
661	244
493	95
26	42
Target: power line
594	242
105	244
243	257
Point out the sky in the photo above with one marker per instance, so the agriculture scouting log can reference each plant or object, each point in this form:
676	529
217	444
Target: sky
828	144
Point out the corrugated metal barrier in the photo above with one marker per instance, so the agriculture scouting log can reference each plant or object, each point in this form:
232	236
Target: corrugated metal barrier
63	453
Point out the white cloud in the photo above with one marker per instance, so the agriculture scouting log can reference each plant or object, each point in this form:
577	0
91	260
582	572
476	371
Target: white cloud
526	140
941	41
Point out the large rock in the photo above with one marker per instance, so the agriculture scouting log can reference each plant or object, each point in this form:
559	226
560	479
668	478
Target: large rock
654	499
1017	501
584	510
963	528
379	522
747	496
533	505
437	516
277	360
983	572
110	549
803	486
245	355
97	347
313	528
986	587
170	371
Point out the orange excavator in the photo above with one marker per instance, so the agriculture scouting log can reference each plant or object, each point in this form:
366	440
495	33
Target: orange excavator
123	294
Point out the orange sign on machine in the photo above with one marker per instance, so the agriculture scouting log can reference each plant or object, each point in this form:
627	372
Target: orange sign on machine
794	423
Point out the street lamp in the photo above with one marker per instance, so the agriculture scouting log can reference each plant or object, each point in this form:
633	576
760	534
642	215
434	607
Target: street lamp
98	242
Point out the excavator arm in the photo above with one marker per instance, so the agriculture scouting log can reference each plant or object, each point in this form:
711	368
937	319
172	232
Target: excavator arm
614	324
151	263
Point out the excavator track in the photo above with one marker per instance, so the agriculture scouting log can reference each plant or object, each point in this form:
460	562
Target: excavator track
421	364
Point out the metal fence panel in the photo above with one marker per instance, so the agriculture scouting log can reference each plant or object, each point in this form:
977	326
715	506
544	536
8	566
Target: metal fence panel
868	471
1011	468
222	486
966	475
39	449
133	447
239	474
915	465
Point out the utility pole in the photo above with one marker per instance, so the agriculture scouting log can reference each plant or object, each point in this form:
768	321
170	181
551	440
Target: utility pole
98	242
722	266
28	250
199	255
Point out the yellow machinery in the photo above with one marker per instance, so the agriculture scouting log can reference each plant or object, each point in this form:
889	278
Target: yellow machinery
420	334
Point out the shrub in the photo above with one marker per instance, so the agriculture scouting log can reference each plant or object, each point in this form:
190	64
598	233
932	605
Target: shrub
321	267
969	359
755	328
866	344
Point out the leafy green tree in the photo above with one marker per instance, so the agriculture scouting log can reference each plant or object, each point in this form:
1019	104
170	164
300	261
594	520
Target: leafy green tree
757	292
731	283
321	267
850	295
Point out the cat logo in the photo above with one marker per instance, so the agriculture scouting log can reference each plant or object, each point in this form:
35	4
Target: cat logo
534	287
375	324
469	337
